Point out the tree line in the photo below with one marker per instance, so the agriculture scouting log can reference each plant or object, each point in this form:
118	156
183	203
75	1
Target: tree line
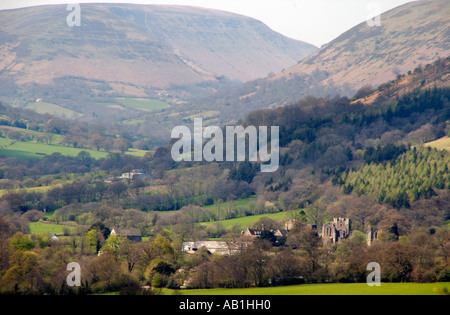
37	264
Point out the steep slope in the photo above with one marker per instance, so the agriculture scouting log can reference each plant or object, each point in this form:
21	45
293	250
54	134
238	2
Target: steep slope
410	35
220	42
435	75
132	48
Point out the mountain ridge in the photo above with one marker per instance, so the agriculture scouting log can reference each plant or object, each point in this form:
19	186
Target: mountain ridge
430	13
133	48
412	34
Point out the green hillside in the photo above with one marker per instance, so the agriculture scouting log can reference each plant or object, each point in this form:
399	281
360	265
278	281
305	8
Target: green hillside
248	221
360	178
412	176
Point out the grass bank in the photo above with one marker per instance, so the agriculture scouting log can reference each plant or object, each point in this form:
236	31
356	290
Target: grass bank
334	289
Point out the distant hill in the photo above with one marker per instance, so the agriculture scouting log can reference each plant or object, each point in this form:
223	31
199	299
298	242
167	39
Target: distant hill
411	35
376	144
133	50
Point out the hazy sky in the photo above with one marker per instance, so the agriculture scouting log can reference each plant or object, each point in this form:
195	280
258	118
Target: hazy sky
313	21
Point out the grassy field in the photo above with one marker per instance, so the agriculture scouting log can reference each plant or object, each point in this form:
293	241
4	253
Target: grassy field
441	144
5	141
235	204
245	222
41	189
17	154
53	109
136	152
32	133
143	104
333	289
70	178
33	149
27	149
205	115
48	228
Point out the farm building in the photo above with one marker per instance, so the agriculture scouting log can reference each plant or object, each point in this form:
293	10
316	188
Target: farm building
213	247
134	174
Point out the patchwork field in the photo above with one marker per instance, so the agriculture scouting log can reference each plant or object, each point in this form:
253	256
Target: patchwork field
28	147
